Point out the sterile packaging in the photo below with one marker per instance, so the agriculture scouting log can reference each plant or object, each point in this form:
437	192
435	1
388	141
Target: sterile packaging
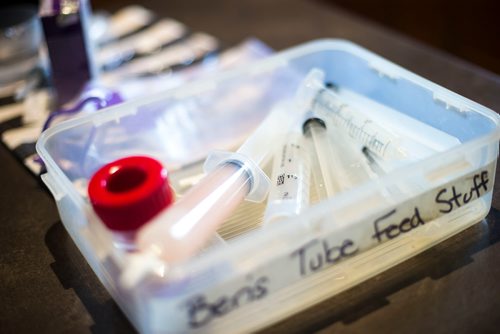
434	154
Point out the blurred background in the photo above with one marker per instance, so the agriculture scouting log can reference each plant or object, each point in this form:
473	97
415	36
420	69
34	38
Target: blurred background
465	28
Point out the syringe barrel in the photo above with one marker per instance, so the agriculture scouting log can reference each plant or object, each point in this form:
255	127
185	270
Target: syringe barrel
325	161
290	181
361	129
338	164
182	230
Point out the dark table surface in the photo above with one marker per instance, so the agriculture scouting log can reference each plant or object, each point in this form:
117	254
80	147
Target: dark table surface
46	285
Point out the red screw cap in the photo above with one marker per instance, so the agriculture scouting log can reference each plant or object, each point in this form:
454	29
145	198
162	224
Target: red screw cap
128	192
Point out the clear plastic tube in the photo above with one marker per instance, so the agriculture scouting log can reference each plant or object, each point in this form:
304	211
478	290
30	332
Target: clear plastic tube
340	164
325	162
372	162
197	215
181	231
353	165
289	194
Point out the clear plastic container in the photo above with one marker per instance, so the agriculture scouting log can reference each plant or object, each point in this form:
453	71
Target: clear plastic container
261	275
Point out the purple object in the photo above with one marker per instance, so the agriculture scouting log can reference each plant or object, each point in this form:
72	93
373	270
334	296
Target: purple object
65	25
101	97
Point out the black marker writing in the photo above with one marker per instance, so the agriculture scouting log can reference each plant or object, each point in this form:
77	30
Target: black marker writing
311	260
457	199
201	311
384	227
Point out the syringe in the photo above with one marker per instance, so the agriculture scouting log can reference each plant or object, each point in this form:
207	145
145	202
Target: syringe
339	164
324	160
334	110
181	231
289	194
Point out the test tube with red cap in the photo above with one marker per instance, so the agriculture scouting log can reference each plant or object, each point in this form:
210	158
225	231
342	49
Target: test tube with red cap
127	193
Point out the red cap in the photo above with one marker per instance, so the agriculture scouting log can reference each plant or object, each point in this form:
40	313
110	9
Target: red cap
128	192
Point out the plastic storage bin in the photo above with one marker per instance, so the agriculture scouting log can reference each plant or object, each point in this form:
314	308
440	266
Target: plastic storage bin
262	275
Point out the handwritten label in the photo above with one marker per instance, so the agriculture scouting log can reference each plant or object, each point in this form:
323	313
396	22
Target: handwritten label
310	258
447	199
393	230
457	199
201	310
318	253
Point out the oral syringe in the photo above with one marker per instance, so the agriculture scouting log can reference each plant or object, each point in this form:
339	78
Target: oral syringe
361	130
323	161
385	143
339	165
181	231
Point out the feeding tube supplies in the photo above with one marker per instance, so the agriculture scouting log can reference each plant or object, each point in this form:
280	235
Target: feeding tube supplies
181	231
360	119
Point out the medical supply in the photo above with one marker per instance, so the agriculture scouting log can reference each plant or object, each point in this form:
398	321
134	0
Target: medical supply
182	230
290	182
341	164
372	161
398	139
429	139
264	275
129	192
324	179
